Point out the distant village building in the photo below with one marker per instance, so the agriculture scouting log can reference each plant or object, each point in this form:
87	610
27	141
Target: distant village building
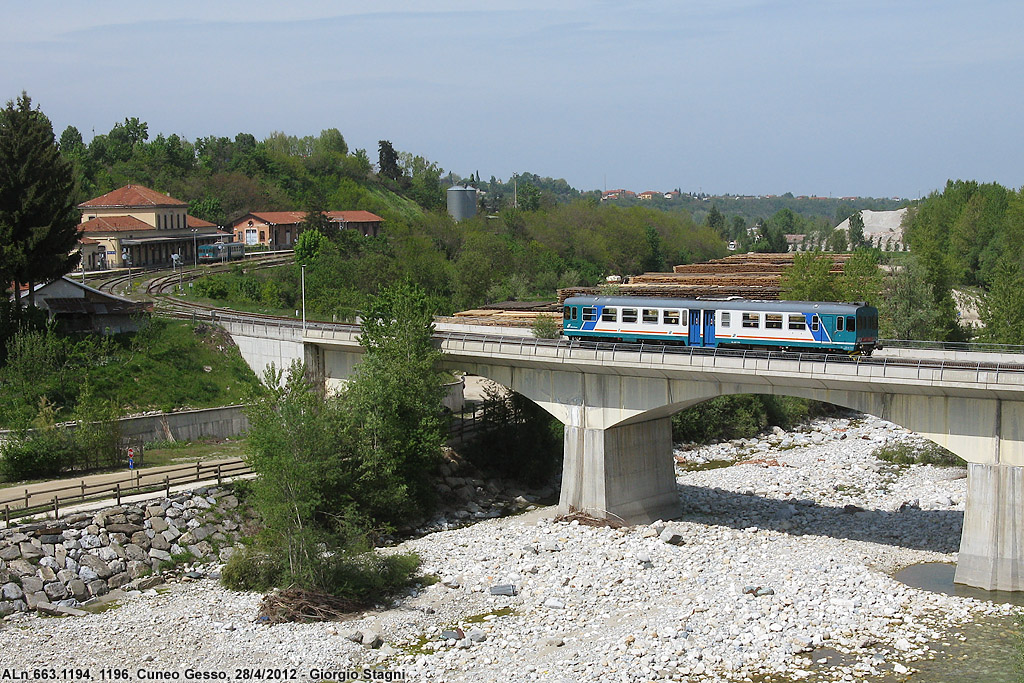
649	194
795	242
77	307
280	229
137	225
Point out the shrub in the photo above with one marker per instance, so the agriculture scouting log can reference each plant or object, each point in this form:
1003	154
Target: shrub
37	454
741	416
546	327
927	453
251	570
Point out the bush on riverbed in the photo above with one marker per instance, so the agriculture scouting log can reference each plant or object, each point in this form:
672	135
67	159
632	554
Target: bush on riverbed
742	416
927	453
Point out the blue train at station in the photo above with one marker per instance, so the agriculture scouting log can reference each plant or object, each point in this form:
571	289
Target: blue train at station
732	323
221	251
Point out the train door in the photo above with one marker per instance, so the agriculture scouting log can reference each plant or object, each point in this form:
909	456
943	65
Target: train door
709	328
694	339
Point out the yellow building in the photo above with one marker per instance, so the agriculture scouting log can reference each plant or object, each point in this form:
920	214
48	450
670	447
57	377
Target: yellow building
141	227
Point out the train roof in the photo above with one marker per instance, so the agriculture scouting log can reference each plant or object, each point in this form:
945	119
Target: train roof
824	307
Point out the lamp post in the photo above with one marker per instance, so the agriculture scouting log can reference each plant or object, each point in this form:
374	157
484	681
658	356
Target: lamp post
303	268
195	249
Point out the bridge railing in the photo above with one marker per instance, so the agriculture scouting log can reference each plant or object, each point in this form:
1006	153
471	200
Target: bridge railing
747	361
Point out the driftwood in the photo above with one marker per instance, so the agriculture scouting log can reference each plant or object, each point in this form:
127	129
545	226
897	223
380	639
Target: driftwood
298	604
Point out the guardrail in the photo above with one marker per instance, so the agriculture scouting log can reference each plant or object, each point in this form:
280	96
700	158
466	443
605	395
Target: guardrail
970	347
136	482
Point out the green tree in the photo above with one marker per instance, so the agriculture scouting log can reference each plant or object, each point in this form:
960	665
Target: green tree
388	160
862	280
529	197
654	259
309	245
810	279
394	399
856	233
38	221
907	308
715	220
1002	307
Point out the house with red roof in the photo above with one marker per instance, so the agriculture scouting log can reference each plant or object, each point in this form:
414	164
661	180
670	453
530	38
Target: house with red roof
134	224
280	229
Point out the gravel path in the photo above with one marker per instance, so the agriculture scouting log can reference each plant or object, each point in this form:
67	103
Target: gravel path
774	565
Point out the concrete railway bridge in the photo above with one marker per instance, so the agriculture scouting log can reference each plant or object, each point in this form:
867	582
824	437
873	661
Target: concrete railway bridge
615	404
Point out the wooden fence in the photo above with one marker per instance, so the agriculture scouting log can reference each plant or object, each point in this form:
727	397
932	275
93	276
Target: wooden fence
31	501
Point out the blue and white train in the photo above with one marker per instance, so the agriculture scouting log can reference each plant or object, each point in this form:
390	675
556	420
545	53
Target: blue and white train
730	324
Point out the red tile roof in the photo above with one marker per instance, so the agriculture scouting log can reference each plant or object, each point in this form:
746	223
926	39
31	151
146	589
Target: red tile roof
193	222
114	224
132	196
293	217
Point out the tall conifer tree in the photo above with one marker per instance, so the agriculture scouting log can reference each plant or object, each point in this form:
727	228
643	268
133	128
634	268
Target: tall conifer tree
38	221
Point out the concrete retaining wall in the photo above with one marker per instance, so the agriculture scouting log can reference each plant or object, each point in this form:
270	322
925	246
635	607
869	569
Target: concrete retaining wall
187	425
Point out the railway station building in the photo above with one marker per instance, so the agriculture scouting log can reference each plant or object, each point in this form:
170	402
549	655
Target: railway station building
142	227
280	229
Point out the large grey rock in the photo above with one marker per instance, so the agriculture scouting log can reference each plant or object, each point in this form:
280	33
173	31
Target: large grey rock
31	584
88	574
22	567
137	569
118	580
10	552
160	543
158	524
134	552
47	574
30	551
145	583
107	554
140	539
66	575
161	555
503	589
201	532
11	591
55	591
34	599
671	537
94	563
97	588
78	589
60	610
89	541
171	533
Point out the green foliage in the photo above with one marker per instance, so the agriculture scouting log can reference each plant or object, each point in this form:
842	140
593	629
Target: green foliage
862	279
38	220
856	232
930	453
164	366
740	416
388	160
309	245
810	279
518	439
907	309
395	397
250	569
546	327
39	454
1002	307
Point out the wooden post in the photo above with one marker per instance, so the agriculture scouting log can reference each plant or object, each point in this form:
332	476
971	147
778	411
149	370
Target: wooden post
7	516
167	483
26	498
117	492
56	512
218	474
83	489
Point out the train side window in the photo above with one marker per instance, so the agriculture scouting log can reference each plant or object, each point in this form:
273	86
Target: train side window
650	316
797	322
851	323
752	320
565	313
609	315
815	323
629	315
589	314
839	323
726	319
773	321
670	317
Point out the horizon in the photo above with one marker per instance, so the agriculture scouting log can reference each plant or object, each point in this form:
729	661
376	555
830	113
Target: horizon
745	97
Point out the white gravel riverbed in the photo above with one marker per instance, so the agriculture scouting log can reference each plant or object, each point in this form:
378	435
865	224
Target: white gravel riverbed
774	559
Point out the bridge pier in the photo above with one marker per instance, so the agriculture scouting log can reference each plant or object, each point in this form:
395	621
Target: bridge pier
991	544
623	473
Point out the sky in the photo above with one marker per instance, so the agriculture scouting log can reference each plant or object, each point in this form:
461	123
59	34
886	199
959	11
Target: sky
814	97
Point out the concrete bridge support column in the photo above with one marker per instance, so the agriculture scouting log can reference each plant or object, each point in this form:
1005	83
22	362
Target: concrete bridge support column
624	473
991	545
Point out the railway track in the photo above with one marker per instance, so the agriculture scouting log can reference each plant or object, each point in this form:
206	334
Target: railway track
160	288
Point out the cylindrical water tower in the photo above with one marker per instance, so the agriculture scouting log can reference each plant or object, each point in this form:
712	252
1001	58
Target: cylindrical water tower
461	202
